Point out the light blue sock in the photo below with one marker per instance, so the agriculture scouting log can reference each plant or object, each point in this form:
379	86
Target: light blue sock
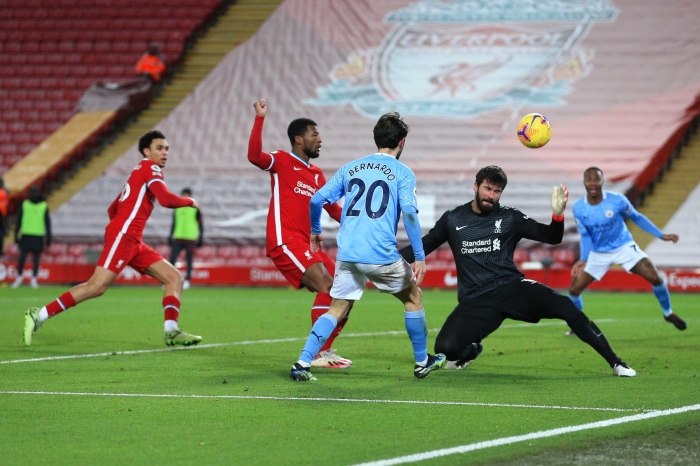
417	329
578	301
664	297
320	332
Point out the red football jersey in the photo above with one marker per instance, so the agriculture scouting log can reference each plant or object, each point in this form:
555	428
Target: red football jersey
135	203
293	183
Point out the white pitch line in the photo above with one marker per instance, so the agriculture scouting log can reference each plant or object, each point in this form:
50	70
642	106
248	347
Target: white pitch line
531	436
253	342
292	398
207	345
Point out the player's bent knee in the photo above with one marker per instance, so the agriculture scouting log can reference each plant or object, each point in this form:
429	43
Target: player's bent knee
97	290
452	348
577	320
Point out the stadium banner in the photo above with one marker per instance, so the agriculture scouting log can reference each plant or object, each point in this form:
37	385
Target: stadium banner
687	280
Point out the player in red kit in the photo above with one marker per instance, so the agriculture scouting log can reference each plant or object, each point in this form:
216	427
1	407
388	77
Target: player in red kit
123	246
294	181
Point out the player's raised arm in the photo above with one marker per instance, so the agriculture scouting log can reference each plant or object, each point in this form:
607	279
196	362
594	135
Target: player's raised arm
554	232
256	156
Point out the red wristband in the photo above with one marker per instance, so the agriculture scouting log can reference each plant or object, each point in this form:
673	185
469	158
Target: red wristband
558	218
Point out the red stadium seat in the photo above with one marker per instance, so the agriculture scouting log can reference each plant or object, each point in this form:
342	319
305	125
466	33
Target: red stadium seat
65	115
102	47
53	126
49	47
138	47
37	59
50	115
70	36
62	70
122	35
73	94
37	138
8	149
121	47
33	35
60	105
17	94
98	71
35	127
54	94
84	46
84	83
145	36
21	138
24	105
65	47
42	105
12	115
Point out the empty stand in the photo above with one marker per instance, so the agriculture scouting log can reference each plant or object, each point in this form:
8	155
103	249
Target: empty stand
53	50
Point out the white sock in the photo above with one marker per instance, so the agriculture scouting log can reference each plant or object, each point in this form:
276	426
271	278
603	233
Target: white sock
303	363
43	314
423	362
171	325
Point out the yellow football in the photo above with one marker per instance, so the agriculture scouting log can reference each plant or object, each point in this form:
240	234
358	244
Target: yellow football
534	130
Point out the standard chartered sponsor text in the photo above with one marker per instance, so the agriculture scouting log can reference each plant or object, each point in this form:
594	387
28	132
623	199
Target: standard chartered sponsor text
475	247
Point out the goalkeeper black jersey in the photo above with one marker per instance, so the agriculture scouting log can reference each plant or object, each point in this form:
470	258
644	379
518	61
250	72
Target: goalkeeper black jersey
483	245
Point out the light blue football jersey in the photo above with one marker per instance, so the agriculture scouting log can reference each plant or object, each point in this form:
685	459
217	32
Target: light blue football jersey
376	189
602	227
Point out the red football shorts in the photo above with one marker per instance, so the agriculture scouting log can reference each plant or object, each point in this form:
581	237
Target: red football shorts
293	259
121	250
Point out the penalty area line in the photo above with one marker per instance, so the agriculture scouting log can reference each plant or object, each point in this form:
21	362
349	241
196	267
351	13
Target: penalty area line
531	436
293	398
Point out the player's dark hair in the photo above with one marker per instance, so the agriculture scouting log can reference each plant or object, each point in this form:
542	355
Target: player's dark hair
186	192
147	139
298	127
591	169
390	130
492	173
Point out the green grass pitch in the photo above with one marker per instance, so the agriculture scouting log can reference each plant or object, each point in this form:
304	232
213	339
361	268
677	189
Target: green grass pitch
127	399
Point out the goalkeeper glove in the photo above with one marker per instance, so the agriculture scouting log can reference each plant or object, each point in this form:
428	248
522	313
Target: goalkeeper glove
560	196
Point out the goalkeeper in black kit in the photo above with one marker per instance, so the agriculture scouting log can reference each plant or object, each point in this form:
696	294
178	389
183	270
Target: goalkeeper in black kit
482	235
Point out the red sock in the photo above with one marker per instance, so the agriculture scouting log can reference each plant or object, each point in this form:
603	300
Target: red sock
321	305
65	301
171	308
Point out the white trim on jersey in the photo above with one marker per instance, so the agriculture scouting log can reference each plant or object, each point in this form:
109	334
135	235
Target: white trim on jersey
137	206
154	180
276	204
271	163
113	250
293	258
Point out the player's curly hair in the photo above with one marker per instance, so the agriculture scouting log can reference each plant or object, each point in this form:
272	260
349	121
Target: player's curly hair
390	130
298	127
147	139
494	174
